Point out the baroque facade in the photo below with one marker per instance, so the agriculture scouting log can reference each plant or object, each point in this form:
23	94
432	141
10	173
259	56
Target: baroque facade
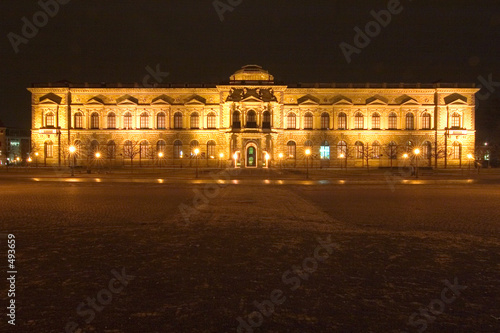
253	122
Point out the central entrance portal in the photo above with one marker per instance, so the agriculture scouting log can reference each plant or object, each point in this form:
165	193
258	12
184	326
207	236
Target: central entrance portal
251	156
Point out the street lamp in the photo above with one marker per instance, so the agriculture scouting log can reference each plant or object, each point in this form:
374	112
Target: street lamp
160	156
417	152
72	150
196	151
235	157
267	157
308	152
36	160
341	163
281	160
470	157
97	156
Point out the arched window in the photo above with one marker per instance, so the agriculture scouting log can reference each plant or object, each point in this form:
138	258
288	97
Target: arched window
211	120
127	120
78	148
161	147
291	121
308	144
144	120
94	147
194	144
160	120
178	149
194	120
409	146
342	121
236	119
456	150
325	120
376	121
392	150
360	149
111	120
78	120
48	149
324	150
144	149
308	121
359	121
291	149
375	149
128	149
393	121
410	121
178	120
49	120
342	149
211	149
94	120
251	119
426	121
111	151
266	119
427	150
456	120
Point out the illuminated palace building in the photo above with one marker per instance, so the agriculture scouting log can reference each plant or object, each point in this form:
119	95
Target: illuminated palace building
253	122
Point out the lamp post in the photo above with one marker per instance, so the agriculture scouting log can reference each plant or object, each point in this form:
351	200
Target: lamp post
417	152
36	160
341	162
235	157
470	158
97	156
267	157
308	152
281	160
196	152
72	150
160	156
405	157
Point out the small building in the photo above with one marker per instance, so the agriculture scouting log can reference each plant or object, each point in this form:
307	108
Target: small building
18	145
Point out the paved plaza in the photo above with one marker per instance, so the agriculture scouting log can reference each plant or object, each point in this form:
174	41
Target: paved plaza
248	255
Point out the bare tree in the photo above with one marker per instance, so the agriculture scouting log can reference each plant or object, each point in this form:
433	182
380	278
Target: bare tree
131	149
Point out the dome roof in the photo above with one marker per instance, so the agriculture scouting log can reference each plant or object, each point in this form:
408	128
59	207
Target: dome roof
251	73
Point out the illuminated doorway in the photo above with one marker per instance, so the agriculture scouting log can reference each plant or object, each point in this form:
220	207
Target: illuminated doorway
251	158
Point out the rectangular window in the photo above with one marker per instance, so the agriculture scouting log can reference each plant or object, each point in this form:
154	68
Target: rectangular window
127	122
393	122
376	122
111	122
161	122
195	121
342	122
211	122
144	122
49	151
308	122
78	121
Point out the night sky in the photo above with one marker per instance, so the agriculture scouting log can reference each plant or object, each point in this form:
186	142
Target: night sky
297	41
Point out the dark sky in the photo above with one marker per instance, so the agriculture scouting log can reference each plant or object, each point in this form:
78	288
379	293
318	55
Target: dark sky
297	41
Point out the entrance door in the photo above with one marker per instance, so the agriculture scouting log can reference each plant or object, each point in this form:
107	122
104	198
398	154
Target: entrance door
251	156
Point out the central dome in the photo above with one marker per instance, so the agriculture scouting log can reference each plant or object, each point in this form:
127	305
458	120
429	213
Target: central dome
251	73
